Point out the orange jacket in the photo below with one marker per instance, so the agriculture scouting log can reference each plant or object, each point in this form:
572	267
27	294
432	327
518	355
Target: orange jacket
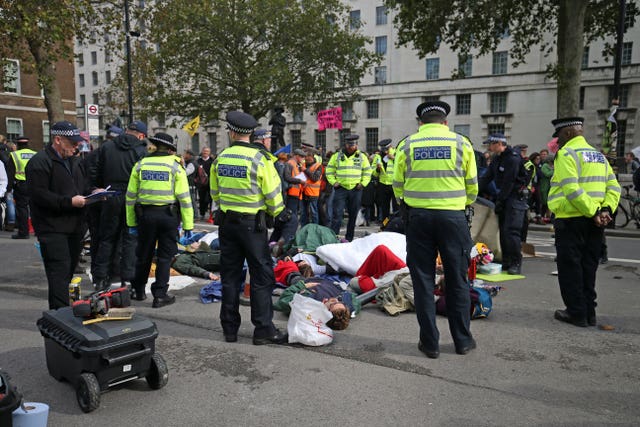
312	188
295	190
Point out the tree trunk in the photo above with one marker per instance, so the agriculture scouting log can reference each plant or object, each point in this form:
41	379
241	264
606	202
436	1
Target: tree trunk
570	49
47	77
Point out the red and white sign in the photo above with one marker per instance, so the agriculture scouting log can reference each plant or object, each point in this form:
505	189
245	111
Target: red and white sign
92	110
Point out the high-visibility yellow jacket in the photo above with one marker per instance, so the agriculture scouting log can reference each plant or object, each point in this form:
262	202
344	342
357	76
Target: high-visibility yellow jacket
244	179
349	171
582	182
435	169
384	174
20	159
159	179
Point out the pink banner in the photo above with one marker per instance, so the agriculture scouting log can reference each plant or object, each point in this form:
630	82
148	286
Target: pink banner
330	119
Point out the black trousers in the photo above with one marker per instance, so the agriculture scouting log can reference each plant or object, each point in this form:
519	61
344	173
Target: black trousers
239	240
21	199
384	199
204	199
578	247
113	230
510	221
430	231
60	252
351	200
157	224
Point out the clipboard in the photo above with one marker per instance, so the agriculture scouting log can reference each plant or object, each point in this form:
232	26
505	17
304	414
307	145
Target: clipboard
100	196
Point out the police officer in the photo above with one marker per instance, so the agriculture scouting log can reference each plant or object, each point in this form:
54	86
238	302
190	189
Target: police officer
584	193
507	169
348	171
246	187
435	177
382	166
16	176
157	197
112	169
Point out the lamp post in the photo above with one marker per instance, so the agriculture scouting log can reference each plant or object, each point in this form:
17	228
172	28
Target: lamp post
616	75
128	54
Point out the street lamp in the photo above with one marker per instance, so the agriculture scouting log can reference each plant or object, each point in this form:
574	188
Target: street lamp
128	34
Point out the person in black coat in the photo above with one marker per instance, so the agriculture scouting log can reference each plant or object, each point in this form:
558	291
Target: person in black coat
57	183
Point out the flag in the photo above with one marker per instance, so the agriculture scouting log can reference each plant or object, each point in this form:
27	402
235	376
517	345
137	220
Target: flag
610	135
192	127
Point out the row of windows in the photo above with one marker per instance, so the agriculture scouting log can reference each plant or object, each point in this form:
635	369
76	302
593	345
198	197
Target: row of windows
94	78
465	65
355	21
94	58
16	130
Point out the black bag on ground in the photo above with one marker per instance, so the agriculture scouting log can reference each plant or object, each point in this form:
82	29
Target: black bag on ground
10	400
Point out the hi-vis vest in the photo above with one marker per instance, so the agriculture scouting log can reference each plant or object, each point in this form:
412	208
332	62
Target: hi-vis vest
244	179
20	160
349	171
582	182
435	169
385	174
159	180
294	190
312	188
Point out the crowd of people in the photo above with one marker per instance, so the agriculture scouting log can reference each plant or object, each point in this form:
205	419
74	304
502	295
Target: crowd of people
141	194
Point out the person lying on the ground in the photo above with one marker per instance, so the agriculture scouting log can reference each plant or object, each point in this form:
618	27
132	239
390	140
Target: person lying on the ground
341	303
286	267
201	263
378	270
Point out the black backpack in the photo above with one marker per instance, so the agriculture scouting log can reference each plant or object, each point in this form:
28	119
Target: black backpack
202	177
10	400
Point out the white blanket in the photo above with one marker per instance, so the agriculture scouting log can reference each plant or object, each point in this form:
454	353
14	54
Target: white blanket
348	257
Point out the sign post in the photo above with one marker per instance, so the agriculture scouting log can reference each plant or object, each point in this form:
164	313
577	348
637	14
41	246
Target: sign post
92	119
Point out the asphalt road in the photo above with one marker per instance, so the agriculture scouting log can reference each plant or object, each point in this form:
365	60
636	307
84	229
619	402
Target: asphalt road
528	369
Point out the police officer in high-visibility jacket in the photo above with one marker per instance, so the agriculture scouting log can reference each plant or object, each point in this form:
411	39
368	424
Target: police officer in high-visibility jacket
435	177
18	181
382	166
348	171
584	193
246	187
157	198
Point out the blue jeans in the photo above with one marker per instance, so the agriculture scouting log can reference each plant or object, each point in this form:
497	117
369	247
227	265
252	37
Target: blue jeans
309	209
351	199
11	208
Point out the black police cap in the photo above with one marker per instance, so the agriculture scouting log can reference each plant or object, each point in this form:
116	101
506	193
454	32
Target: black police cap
566	122
433	106
241	122
162	138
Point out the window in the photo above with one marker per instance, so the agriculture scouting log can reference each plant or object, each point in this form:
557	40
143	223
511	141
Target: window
213	143
83	100
107	76
372	109
195	143
505	33
380	75
623	96
463	104
347	111
14	129
107	56
499	65
94	78
46	137
621	128
354	19
495	128
141	4
296	138
585	58
81	80
431	98
11	76
465	64
381	15
94	58
498	102
464	130
321	140
581	102
381	45
344	132
80	59
627	48
371	136
433	68
298	115
95	98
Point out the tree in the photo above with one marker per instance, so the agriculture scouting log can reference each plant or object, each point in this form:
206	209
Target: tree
478	25
208	56
41	33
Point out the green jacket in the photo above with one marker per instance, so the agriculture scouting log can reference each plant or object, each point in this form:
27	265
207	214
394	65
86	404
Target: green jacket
299	288
199	263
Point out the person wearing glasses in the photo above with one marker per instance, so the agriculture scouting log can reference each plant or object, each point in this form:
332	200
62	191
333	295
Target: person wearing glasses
57	183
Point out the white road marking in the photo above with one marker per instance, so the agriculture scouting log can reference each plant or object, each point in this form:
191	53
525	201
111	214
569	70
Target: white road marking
552	254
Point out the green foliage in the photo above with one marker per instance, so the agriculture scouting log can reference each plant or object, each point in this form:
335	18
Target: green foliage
209	56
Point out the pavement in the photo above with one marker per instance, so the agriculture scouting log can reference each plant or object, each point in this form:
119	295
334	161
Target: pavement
528	369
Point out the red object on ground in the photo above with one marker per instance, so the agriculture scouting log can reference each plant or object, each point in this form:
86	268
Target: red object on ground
472	269
210	220
31	230
380	261
282	270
